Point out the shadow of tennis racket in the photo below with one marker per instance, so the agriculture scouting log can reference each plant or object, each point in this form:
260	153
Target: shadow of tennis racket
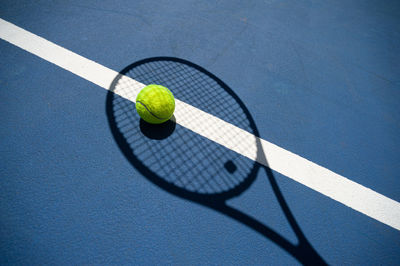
187	164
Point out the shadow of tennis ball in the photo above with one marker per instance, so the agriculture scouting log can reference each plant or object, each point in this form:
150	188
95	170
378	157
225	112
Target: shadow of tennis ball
158	131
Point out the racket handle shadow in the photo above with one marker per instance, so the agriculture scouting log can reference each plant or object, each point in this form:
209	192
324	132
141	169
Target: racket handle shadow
303	251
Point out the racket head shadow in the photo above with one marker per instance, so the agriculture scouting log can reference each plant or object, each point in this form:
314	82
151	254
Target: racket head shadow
171	156
187	164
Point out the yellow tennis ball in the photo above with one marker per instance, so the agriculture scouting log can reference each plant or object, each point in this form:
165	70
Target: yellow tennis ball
155	104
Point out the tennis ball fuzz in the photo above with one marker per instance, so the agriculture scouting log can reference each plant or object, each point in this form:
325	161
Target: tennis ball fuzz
155	104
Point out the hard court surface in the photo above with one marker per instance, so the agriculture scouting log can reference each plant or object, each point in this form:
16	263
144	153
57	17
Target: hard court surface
320	79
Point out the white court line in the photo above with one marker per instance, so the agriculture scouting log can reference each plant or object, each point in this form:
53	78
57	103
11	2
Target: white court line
314	176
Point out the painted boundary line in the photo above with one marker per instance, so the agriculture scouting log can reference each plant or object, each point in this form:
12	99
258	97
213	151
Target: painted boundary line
314	176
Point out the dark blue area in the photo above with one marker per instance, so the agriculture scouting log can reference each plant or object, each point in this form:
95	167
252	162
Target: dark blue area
320	79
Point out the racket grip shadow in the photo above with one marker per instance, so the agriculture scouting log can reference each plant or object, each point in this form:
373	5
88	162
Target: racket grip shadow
303	251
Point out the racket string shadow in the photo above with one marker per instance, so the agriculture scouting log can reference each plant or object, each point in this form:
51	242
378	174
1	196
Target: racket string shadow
191	166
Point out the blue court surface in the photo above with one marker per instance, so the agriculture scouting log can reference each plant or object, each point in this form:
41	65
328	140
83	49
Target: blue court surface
288	152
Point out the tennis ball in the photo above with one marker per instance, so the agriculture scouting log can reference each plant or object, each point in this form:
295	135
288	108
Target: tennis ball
155	104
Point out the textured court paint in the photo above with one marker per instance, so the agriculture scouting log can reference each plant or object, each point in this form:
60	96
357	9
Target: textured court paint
57	55
335	186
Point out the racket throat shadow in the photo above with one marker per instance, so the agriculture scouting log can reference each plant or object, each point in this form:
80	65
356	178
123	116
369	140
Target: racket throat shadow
303	251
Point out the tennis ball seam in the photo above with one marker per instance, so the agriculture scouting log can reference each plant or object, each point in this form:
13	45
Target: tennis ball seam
148	110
